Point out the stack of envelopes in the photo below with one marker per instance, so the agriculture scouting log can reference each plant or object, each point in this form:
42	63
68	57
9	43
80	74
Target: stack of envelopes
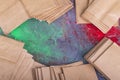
74	71
12	14
48	10
103	14
15	62
15	12
105	57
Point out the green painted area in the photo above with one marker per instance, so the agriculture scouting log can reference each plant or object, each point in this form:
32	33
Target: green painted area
40	39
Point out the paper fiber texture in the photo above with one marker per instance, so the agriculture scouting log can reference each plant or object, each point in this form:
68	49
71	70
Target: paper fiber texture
6	4
36	7
51	15
81	6
12	18
109	63
103	13
105	59
82	72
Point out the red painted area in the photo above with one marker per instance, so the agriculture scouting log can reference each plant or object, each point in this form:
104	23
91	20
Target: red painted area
94	34
114	34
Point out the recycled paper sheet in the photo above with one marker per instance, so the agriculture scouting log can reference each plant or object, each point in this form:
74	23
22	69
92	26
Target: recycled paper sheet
81	6
103	19
6	4
46	73
11	18
38	6
111	56
82	72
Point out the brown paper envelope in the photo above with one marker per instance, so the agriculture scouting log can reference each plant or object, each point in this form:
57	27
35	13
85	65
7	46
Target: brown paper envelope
11	41
92	51
98	11
10	49
113	15
50	12
62	12
58	69
109	63
36	7
7	68
40	77
22	69
36	74
46	73
12	18
61	75
82	72
81	6
52	73
67	5
101	50
21	58
62	6
6	4
29	75
28	69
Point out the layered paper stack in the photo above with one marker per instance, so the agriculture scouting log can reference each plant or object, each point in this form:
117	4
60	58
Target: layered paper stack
12	14
103	14
48	10
15	12
105	58
74	71
15	62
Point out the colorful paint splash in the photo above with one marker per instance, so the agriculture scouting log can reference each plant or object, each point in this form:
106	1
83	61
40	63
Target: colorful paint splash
53	44
60	42
114	35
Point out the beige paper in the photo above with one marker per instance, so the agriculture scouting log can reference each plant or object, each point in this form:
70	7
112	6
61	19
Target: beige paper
100	51
27	62
21	59
46	73
92	51
36	74
36	7
109	63
63	11
29	75
52	73
48	13
7	67
81	6
82	72
10	49
40	77
58	69
62	7
103	14
62	4
6	4
12	18
61	75
28	69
